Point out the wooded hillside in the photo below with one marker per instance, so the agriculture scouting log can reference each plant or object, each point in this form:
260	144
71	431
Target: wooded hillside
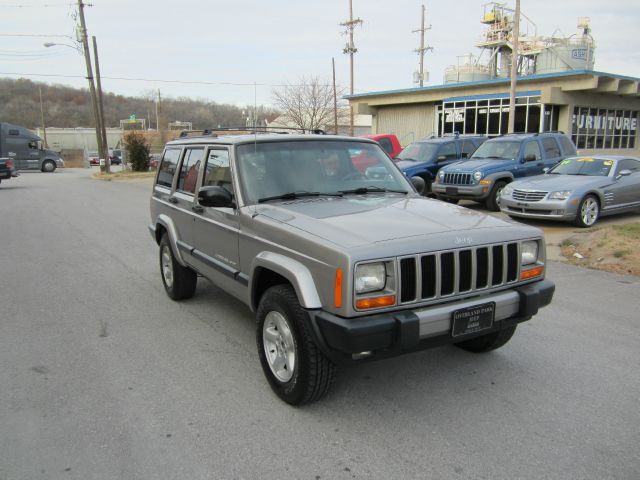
71	107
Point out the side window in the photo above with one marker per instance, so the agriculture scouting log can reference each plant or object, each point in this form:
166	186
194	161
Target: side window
448	150
189	170
551	148
467	148
568	146
33	145
532	149
386	145
217	170
14	132
628	164
168	167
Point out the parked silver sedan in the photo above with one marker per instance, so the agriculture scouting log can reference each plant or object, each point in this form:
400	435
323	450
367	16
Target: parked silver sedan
578	189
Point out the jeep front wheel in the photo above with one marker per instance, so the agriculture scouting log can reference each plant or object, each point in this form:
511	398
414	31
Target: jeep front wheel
488	342
179	282
493	201
296	370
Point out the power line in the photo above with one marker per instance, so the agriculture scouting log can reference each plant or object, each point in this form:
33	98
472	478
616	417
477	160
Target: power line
33	35
159	80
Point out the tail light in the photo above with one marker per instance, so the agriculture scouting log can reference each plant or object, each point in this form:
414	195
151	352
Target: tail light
8	163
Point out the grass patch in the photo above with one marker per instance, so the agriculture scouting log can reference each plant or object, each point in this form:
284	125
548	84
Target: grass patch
621	253
631	230
123	175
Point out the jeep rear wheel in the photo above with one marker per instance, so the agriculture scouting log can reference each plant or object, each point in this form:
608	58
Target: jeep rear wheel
296	370
493	200
488	342
179	282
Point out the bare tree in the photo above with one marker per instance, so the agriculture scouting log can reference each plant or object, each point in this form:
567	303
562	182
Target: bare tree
308	104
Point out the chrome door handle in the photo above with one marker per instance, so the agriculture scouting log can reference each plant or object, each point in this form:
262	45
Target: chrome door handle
173	200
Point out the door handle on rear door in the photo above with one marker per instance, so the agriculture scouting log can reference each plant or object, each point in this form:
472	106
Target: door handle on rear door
173	199
197	208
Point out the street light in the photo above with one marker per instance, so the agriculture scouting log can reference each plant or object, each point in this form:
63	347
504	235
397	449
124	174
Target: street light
52	44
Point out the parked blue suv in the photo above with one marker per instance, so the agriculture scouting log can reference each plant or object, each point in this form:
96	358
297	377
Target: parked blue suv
425	157
497	162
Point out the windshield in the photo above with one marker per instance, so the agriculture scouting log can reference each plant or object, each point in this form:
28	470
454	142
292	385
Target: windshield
592	167
291	169
497	150
418	152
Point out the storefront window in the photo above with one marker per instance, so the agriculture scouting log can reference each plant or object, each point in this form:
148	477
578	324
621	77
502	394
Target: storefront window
603	128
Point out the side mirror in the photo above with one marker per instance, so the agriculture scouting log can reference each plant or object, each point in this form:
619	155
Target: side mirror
215	197
419	184
623	173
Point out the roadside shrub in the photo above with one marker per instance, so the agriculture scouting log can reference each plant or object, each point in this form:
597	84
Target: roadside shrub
137	151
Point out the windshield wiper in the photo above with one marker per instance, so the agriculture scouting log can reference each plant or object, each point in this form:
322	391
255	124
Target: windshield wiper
294	195
363	190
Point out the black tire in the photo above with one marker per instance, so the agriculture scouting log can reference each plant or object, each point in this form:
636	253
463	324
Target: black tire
427	188
492	199
179	282
311	374
488	342
48	166
588	212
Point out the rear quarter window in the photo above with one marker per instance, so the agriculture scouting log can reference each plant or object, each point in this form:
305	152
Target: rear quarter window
168	167
551	148
568	146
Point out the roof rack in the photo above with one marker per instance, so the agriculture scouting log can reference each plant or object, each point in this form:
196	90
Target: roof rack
252	130
551	131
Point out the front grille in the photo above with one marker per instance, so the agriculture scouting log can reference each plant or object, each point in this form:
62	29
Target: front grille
457	179
528	195
434	275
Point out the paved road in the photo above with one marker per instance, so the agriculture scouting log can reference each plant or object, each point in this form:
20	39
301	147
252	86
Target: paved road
103	377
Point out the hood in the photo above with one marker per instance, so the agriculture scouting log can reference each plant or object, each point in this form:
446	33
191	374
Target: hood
353	221
471	165
52	153
552	183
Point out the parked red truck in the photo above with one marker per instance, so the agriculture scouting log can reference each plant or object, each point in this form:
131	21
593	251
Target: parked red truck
389	143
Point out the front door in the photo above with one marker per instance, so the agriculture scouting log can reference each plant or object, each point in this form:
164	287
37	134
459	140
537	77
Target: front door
216	229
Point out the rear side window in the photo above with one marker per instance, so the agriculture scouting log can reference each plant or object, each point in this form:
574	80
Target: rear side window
14	132
551	148
189	170
168	167
386	145
568	146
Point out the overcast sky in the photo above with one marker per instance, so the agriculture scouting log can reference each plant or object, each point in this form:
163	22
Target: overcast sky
243	42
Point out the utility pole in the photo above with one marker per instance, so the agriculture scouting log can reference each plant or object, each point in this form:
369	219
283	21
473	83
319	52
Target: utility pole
44	128
157	117
423	48
103	129
350	49
514	68
92	87
335	98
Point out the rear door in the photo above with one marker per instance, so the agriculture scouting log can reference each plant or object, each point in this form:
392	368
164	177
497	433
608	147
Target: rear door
552	152
532	159
183	197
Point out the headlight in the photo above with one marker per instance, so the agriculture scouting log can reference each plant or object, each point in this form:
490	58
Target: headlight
370	277
528	252
441	175
506	191
477	176
560	195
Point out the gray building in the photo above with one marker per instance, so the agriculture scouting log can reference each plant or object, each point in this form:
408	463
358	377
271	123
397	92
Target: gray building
599	110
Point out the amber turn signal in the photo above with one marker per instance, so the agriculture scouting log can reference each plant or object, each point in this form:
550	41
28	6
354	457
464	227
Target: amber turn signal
337	292
376	302
532	272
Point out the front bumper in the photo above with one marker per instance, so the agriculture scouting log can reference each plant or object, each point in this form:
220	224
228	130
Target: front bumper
60	163
344	340
563	210
475	192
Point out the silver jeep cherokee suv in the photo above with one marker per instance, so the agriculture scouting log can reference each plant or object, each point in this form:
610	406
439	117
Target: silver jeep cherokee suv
340	262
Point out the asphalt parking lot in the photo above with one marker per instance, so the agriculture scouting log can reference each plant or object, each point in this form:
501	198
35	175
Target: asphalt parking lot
102	376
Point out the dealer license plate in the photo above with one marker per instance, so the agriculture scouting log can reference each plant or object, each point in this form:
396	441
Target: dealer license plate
451	190
473	319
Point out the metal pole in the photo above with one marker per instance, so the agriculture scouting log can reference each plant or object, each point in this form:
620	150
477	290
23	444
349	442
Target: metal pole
335	98
351	66
514	69
44	128
422	50
103	129
92	87
157	118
